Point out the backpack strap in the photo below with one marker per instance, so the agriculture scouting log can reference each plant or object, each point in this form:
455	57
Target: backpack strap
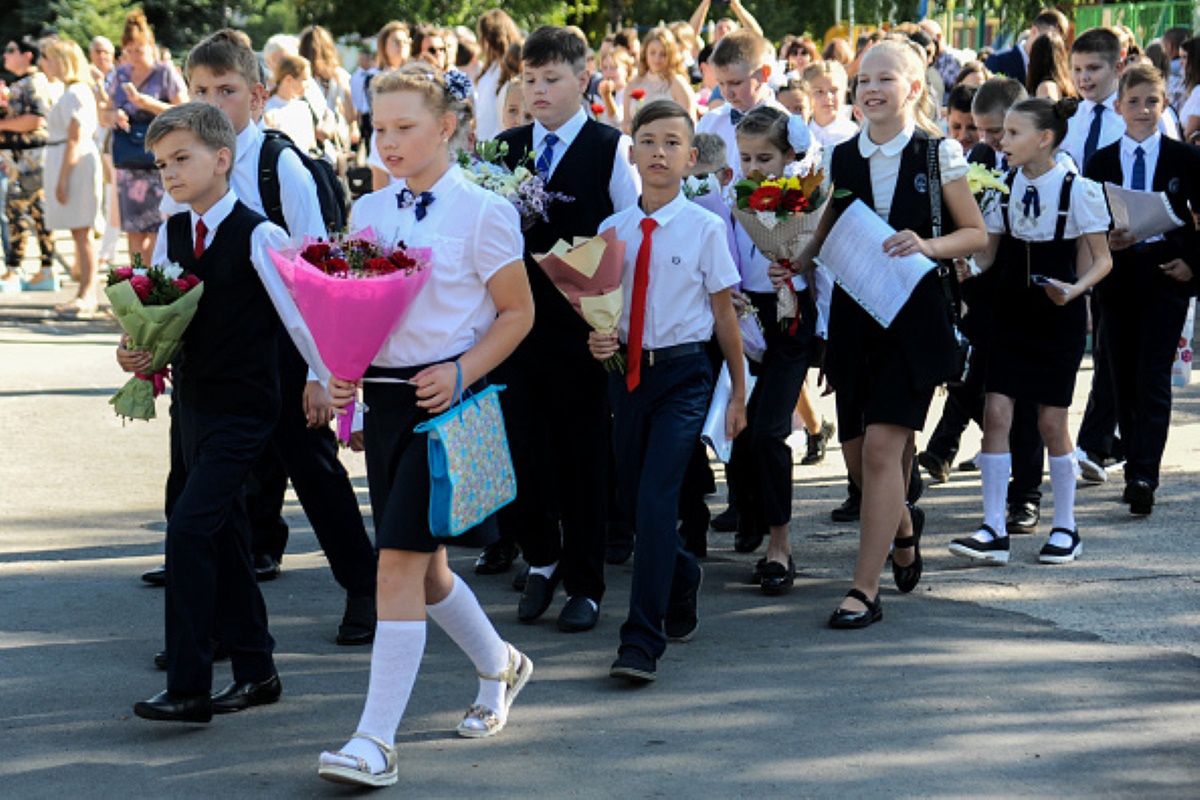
274	143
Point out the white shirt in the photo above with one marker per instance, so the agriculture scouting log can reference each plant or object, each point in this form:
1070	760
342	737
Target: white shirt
1191	107
267	236
1112	127
1150	150
297	189
359	94
295	118
1088	211
487	104
833	134
689	261
885	164
624	186
473	233
720	122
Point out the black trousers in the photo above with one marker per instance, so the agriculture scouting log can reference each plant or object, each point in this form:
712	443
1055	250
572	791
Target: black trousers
210	578
1097	431
1143	315
557	417
309	457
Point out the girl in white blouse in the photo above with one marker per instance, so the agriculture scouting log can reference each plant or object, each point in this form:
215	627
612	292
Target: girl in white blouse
472	313
1035	237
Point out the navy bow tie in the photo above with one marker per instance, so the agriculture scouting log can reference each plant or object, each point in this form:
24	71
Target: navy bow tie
422	201
735	116
1031	201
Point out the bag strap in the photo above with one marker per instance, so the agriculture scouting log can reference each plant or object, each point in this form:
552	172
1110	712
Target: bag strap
947	276
457	397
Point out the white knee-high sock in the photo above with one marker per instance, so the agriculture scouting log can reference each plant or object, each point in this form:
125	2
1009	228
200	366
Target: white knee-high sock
1062	483
994	469
464	621
395	659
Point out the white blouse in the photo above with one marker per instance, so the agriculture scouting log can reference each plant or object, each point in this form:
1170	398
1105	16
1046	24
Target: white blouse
487	104
885	164
833	134
1088	212
473	233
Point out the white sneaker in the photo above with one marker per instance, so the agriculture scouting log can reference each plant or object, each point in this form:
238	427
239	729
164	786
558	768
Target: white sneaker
1091	470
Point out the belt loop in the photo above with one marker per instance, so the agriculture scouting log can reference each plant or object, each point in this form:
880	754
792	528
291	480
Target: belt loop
650	355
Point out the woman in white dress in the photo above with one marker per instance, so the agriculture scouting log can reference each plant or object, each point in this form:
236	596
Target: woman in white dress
73	163
497	32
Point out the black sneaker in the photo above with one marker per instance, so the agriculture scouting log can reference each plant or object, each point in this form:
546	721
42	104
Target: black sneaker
683	614
817	444
726	521
849	510
993	551
1023	517
635	666
935	466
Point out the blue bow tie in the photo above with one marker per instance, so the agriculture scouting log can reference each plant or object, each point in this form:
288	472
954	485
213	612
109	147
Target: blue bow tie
422	201
1031	201
735	116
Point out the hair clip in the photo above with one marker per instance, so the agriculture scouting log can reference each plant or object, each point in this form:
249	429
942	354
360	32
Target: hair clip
458	85
799	137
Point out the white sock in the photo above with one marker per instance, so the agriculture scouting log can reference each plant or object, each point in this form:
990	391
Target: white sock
994	469
464	621
395	658
546	572
1062	484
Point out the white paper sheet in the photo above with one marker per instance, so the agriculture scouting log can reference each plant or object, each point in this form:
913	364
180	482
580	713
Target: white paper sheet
853	252
713	432
1143	214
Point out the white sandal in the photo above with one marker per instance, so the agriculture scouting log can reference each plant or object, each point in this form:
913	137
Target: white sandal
361	775
514	677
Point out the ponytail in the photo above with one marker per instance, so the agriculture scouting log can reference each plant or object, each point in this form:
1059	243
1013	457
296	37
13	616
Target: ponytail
1049	116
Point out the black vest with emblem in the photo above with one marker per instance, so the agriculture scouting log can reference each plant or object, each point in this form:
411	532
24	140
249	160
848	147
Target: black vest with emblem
229	361
582	174
922	333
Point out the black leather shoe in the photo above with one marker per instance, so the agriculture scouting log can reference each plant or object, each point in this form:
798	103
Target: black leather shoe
1140	497
578	615
358	621
849	510
1023	517
726	521
496	558
156	576
756	574
165	707
845	619
749	541
683	613
775	578
935	466
634	666
617	553
240	696
219	654
520	579
909	576
537	596
266	568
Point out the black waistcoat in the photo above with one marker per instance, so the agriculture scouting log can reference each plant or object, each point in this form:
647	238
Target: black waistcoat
583	174
229	361
922	333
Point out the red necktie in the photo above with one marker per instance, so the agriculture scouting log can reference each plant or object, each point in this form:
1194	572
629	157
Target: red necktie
201	232
637	313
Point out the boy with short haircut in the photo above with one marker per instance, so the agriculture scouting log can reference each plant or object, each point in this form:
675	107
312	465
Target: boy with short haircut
1095	56
991	102
555	408
959	120
742	63
677	280
228	401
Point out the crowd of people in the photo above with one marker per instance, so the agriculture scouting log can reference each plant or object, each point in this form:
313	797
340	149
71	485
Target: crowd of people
611	466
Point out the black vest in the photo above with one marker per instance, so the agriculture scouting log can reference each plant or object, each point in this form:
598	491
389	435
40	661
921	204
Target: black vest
922	333
229	362
583	174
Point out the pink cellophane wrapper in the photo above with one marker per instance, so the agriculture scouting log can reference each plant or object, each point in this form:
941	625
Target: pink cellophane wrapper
351	318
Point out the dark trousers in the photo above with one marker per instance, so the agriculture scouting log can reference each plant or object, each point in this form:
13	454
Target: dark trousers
655	428
1097	432
760	467
1143	316
210	577
557	417
309	457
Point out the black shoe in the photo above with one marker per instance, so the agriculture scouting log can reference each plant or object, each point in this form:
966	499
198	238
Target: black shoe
993	551
756	574
844	619
617	553
1023	517
240	696
156	576
849	510
634	666
358	621
537	596
726	521
496	558
520	579
1140	497
165	707
1053	554
968	466
578	615
683	613
908	577
266	568
816	445
749	541
219	654
935	466
775	578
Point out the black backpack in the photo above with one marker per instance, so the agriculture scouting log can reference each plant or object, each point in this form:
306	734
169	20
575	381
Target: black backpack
330	191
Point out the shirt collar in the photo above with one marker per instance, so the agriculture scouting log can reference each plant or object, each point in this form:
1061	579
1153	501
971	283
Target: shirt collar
247	141
566	132
664	215
1086	106
450	178
1149	147
217	214
891	148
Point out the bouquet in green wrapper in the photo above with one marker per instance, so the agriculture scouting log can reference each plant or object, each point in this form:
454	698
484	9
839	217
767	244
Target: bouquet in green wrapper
154	305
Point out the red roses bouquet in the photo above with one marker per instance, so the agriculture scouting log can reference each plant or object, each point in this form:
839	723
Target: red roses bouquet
154	306
359	256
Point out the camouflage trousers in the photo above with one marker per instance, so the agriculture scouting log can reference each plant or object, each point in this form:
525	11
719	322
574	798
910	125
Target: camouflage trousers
27	215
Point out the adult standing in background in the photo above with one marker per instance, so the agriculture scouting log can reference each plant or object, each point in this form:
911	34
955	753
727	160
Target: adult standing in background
1049	73
73	170
1189	112
340	126
497	32
1014	62
141	89
103	55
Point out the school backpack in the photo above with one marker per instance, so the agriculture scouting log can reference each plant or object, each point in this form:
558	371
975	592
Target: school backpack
330	191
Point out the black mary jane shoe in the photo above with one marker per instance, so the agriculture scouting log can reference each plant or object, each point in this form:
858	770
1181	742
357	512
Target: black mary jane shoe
845	619
776	578
909	576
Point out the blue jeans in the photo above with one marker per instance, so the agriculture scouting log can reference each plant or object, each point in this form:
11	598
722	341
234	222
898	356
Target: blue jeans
655	430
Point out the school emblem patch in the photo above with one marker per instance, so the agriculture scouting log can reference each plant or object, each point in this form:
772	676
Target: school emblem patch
1173	186
921	183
